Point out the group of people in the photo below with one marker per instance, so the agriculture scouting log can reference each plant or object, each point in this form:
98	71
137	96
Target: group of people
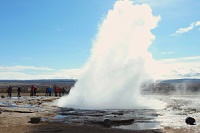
9	90
58	91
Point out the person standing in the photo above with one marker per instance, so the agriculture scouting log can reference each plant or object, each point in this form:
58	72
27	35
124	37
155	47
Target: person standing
19	91
10	91
32	90
60	91
68	90
35	91
47	91
56	91
63	91
50	90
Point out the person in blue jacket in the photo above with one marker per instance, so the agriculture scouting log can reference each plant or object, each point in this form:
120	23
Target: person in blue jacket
50	90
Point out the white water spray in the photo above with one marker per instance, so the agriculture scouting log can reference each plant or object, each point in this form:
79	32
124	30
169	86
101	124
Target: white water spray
119	60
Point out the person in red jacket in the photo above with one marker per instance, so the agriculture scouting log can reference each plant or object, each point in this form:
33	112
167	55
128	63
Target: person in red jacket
32	90
59	91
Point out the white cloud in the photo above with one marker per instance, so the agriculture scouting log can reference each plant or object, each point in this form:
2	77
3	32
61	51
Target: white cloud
188	67
197	23
22	68
185	59
65	74
187	29
184	30
33	72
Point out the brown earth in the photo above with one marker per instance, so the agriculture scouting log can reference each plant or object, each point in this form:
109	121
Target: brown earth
17	120
19	123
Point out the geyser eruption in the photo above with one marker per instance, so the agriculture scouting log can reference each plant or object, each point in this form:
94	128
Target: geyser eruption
112	76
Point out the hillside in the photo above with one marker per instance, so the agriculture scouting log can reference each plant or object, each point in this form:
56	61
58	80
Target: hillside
179	86
40	84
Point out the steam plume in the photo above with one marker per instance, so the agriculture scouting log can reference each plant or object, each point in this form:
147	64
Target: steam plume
119	60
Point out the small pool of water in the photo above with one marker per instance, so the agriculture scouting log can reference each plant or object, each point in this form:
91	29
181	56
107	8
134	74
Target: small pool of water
140	126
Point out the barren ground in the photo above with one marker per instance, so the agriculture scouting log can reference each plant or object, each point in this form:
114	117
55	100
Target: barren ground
17	120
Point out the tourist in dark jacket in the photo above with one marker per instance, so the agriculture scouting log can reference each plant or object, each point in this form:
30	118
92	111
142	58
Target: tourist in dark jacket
60	91
63	91
19	91
56	91
9	91
47	91
35	91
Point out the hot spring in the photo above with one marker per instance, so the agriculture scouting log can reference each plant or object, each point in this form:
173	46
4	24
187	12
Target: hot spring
119	62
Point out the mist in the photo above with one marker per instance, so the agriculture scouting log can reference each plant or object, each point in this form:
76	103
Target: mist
119	61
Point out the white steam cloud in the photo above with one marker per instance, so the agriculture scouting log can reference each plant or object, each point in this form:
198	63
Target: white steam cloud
187	29
119	60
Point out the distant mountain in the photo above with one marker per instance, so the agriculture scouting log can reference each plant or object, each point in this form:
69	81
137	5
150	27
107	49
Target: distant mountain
41	80
179	81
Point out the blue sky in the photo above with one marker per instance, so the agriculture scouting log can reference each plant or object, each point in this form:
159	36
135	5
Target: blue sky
52	39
